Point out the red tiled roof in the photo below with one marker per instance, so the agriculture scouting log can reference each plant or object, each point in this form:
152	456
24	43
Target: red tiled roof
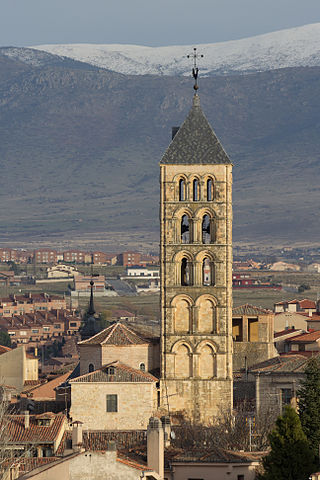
32	382
122	373
132	463
284	332
248	309
306	337
306	303
282	364
46	391
25	464
17	433
96	441
308	353
4	349
116	334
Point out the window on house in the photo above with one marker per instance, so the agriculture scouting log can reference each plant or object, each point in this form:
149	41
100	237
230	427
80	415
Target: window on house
185	229
196	190
240	477
142	367
112	403
286	396
73	324
111	370
182	190
91	367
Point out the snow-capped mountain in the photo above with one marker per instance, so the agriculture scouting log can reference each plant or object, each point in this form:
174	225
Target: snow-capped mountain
292	47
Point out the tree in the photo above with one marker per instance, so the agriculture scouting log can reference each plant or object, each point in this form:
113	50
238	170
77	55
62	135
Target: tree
290	457
5	339
309	403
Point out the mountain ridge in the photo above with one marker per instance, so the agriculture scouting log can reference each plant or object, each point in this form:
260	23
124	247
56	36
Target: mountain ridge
80	147
292	47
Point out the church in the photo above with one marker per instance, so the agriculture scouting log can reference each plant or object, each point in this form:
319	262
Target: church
196	271
195	357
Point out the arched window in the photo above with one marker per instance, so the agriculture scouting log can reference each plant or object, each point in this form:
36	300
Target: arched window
208	273
182	362
186	272
91	367
196	190
182	190
207	362
206	229
209	190
185	229
142	367
206	316
182	315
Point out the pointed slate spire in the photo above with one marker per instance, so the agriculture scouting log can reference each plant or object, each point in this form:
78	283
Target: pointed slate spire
91	310
195	142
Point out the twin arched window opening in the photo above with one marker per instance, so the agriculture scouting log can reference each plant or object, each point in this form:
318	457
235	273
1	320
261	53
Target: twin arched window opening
207	230
207	272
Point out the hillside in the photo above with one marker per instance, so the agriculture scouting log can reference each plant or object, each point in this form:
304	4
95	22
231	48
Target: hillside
293	47
80	146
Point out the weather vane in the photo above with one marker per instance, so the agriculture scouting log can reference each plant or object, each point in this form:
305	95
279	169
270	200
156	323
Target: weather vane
195	70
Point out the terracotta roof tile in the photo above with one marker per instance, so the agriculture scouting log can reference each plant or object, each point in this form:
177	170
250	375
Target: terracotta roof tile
306	337
287	331
306	303
282	364
98	440
46	391
248	309
122	373
17	433
4	349
116	334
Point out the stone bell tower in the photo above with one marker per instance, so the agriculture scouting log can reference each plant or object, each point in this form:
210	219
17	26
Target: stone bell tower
196	272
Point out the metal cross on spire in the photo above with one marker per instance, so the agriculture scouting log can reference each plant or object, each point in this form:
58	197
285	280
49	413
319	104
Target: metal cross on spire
195	70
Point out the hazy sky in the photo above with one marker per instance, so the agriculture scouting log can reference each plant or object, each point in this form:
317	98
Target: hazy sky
147	22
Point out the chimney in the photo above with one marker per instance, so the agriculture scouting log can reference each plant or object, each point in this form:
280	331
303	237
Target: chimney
77	436
174	132
26	419
155	446
166	425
